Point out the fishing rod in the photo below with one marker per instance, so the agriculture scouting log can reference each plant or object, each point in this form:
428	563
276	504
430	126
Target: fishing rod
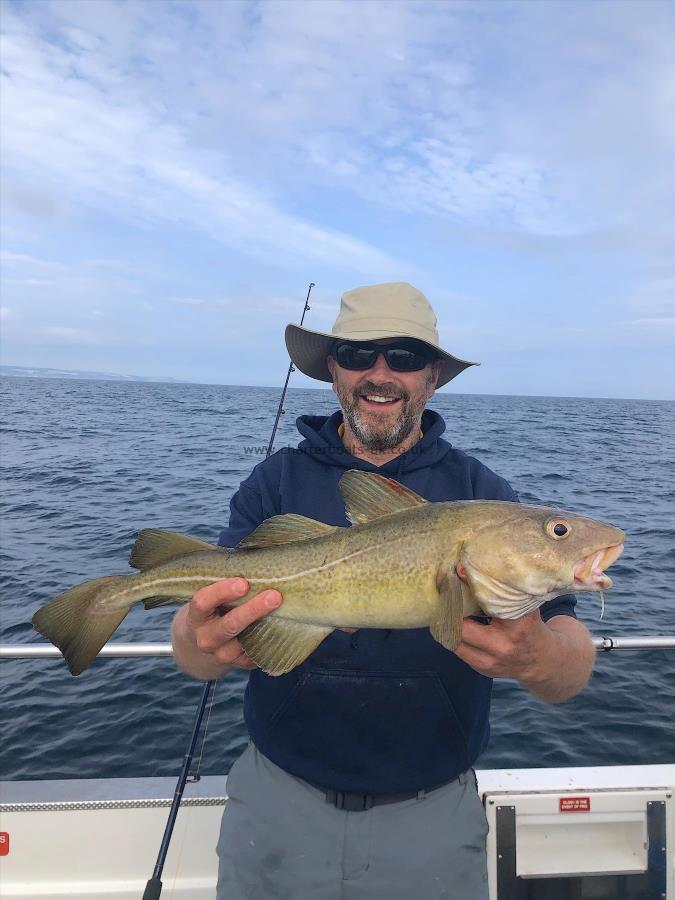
291	369
153	888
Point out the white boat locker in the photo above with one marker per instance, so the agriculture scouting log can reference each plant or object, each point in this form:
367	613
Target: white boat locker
605	833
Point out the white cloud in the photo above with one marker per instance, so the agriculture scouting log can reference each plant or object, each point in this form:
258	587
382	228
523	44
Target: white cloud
498	120
200	303
129	154
522	152
249	303
23	262
657	322
74	283
31	282
70	335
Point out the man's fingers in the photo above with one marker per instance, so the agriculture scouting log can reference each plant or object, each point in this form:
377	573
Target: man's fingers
244	661
233	654
481	662
206	601
502	635
219	632
479	636
234	622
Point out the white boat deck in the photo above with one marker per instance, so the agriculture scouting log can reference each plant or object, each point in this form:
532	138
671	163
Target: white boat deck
93	839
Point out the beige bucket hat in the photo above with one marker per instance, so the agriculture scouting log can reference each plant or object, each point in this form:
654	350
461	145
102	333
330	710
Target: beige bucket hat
395	309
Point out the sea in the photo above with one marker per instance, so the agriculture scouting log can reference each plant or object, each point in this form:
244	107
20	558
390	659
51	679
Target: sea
86	464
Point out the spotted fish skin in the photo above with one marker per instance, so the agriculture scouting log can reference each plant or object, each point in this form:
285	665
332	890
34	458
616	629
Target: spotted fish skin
397	566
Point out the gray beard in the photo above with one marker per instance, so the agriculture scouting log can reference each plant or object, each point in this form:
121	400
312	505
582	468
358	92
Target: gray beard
378	441
382	440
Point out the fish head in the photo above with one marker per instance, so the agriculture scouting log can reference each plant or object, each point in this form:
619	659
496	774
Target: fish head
514	565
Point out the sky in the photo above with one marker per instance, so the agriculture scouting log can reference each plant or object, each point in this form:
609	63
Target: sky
174	174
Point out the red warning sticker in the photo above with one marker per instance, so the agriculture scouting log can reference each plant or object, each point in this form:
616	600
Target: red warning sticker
575	804
4	843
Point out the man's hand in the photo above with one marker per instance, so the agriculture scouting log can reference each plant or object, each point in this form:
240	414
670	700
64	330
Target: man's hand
552	659
505	648
205	631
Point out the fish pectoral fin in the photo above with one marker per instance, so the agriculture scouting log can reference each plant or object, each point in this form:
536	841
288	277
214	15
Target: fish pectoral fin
368	496
283	530
446	627
154	547
278	645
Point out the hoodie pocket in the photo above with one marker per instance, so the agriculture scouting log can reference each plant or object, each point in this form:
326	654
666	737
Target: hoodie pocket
374	732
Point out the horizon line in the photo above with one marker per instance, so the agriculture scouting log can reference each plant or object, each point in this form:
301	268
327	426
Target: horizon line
169	380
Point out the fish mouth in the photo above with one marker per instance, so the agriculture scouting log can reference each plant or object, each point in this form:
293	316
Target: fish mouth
589	571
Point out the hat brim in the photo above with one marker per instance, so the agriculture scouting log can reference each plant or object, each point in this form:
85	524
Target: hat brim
308	351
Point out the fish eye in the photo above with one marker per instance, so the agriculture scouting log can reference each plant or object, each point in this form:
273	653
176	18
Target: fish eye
558	528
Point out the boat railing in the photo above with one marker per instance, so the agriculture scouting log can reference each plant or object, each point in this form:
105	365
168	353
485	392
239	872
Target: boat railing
118	649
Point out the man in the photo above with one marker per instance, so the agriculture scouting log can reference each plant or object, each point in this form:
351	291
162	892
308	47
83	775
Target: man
358	780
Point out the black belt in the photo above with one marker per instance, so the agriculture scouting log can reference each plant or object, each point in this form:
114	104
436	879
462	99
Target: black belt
361	802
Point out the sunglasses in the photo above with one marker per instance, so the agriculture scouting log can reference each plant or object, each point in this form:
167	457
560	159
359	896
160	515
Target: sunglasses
403	356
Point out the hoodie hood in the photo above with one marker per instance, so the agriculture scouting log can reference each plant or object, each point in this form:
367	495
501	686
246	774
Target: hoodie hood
323	443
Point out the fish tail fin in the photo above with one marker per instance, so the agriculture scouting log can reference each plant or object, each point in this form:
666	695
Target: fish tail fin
70	624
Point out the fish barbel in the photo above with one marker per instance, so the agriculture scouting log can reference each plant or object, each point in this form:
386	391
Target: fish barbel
404	563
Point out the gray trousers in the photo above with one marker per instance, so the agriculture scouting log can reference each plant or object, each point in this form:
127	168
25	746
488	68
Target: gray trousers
281	840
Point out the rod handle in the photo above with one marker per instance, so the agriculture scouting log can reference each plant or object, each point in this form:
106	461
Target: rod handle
152	889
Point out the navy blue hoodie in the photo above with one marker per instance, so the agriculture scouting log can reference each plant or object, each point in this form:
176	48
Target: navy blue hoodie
379	711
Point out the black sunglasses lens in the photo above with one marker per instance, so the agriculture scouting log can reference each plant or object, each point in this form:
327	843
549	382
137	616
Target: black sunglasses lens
354	357
359	357
402	360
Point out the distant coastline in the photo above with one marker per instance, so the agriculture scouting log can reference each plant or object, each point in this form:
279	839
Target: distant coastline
36	372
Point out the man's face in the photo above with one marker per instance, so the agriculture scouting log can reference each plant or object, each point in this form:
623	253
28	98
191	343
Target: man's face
380	406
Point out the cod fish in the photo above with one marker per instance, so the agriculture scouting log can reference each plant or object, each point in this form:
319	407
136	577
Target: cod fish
397	566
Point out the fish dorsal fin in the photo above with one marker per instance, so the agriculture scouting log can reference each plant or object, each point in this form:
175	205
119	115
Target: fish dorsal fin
368	496
153	547
283	530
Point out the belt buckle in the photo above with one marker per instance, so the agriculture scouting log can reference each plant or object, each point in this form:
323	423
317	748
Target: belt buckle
350	802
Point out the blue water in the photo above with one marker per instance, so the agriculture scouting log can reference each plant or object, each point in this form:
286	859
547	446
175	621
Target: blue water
86	464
